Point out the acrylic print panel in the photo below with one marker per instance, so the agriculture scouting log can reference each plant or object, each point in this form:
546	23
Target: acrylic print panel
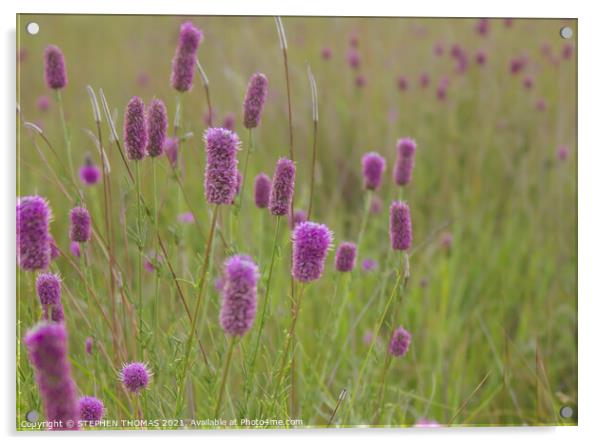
248	222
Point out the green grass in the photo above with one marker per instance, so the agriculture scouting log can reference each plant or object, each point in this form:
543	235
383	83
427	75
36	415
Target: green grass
494	329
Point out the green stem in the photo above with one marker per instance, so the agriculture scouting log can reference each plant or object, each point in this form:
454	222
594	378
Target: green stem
225	376
244	174
66	134
139	226
381	393
156	220
367	203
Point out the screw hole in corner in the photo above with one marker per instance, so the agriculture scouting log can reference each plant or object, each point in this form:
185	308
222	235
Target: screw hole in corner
33	28
566	32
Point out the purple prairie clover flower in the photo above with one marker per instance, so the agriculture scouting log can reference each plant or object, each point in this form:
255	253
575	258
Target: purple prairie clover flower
135	376
171	151
442	88
91	409
80	230
299	216
360	81
424	422
373	166
311	242
48	288
482	27
43	103
89	174
221	168
89	345
262	187
33	239
353	59
55	71
54	249
283	186
183	64
400	226
400	342
257	93
517	64
135	132
157	127
562	153
57	314
481	57
229	121
424	80
461	58
404	165
528	82
368	265
186	218
75	249
326	53
402	83
47	349
567	51
239	295
345	257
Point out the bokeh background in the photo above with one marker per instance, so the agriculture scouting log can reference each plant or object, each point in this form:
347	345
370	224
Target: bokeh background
491	302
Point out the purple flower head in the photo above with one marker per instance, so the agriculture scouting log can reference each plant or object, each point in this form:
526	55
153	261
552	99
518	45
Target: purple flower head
482	27
183	64
517	64
157	127
47	349
402	83
54	249
360	81
89	173
171	150
354	40
91	409
48	288
461	58
353	59
89	345
43	103
221	146
326	53
481	57
567	51
311	242
373	166
33	239
528	82
345	257
75	249
442	89
229	121
400	342
376	204
80	225
134	376
135	130
262	188
239	295
257	92
400	226
283	186
368	265
562	153
424	80
424	422
55	71
57	314
299	216
404	165
186	218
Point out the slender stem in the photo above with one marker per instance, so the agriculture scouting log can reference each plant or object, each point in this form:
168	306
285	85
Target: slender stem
139	226
381	393
244	174
225	375
209	108
367	204
156	220
195	317
266	304
313	170
66	133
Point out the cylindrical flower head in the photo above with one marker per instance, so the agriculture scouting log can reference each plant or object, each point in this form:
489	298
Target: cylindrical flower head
54	249
33	239
239	295
57	313
157	127
48	288
47	348
89	345
263	185
229	121
221	146
400	342
373	166
80	225
171	150
55	71
91	409
134	376
404	165
345	257
89	173
257	92
400	226
183	64
311	242
299	216
75	249
283	186
134	129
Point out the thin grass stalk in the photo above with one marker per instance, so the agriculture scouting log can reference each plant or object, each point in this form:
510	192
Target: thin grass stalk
314	109
156	221
205	81
66	133
381	392
232	343
245	169
195	317
140	244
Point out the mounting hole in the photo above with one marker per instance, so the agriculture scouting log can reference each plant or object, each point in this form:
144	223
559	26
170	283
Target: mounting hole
566	32
566	412
33	28
32	416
